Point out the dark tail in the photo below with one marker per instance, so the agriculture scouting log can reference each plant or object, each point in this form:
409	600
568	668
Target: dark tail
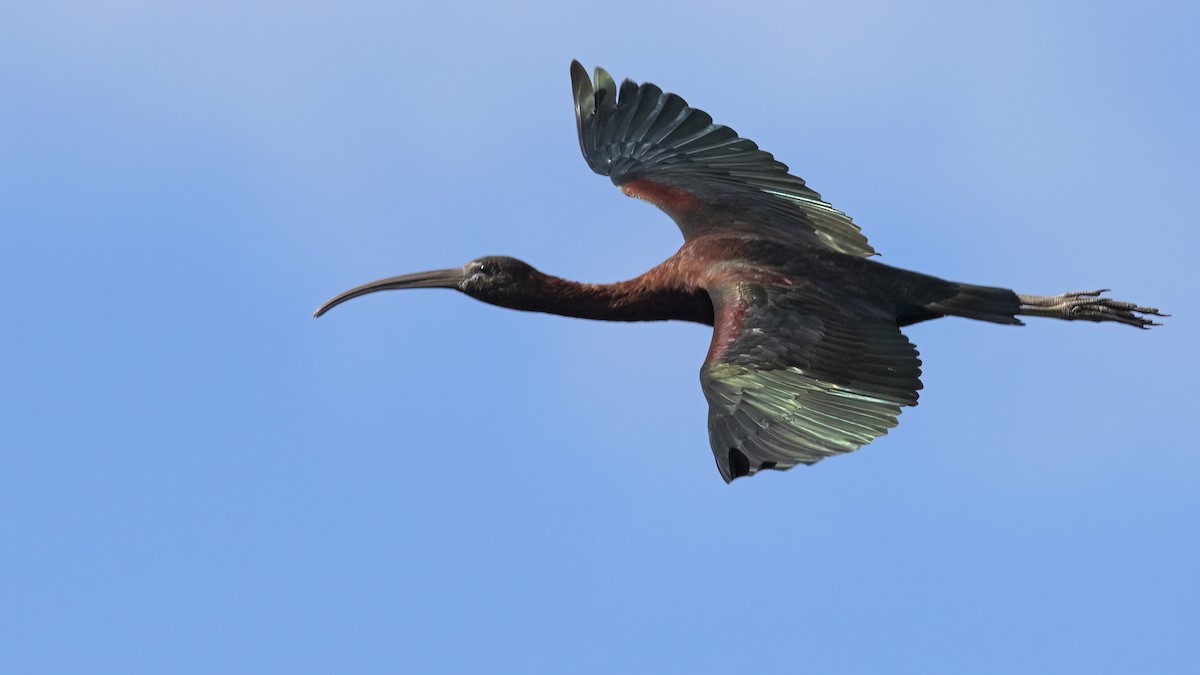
984	303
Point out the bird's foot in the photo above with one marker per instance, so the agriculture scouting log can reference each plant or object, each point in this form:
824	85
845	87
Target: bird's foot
1088	306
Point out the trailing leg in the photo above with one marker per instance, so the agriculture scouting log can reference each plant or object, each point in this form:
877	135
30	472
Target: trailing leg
1088	306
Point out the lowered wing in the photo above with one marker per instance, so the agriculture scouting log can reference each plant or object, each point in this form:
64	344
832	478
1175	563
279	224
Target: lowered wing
793	377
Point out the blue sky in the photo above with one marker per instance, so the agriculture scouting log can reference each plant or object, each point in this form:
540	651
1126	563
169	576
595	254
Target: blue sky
197	477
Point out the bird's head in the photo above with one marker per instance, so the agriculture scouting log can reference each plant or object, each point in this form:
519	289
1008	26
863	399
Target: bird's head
493	279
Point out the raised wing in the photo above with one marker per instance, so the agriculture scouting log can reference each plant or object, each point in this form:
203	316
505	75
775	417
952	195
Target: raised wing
703	175
793	377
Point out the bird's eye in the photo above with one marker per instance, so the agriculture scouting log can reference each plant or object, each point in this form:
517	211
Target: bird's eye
482	268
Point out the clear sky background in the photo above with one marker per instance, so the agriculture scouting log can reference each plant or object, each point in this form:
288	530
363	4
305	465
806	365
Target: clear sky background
197	477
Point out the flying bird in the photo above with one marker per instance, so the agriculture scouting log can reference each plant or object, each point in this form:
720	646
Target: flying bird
807	358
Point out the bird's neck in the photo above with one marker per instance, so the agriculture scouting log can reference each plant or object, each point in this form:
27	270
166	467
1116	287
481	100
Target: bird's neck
640	299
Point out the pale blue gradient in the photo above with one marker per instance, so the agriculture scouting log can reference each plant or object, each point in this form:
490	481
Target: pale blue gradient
197	477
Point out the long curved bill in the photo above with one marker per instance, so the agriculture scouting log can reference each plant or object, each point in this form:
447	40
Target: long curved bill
448	278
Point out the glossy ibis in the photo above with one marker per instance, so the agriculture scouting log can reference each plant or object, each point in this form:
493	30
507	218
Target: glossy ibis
807	358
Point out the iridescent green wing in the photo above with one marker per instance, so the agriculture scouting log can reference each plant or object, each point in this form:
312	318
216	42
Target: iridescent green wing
793	377
655	147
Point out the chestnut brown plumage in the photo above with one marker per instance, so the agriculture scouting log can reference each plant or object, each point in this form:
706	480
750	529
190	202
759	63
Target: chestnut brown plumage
807	358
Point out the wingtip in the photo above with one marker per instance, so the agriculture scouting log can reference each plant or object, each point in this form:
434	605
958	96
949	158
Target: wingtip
605	83
602	79
578	72
581	89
